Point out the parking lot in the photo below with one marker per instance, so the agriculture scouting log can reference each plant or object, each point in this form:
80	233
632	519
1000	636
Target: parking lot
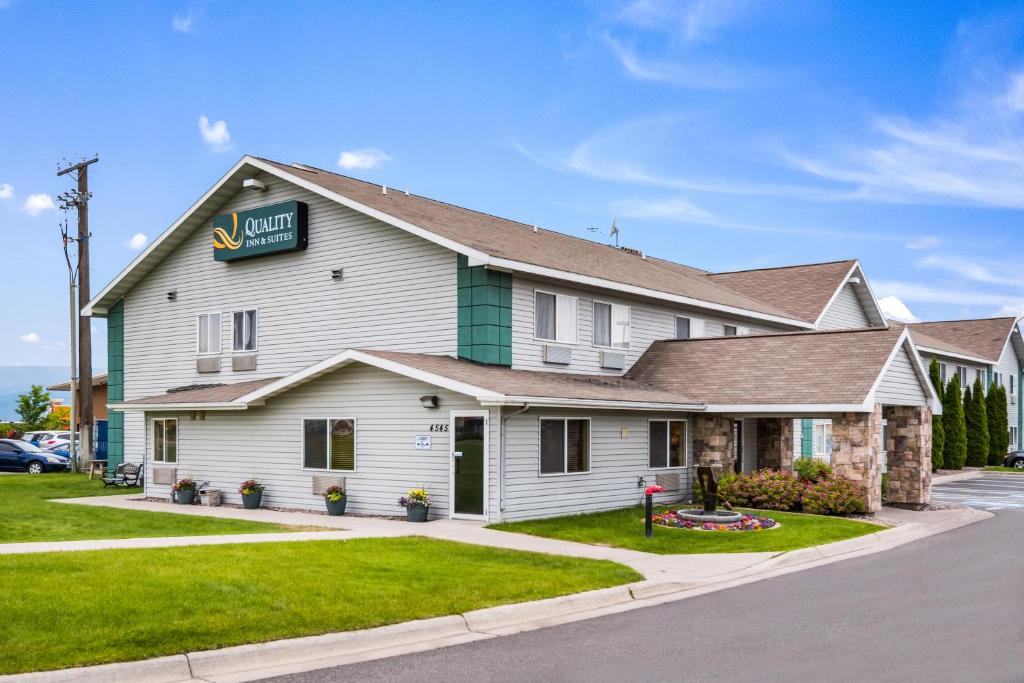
990	492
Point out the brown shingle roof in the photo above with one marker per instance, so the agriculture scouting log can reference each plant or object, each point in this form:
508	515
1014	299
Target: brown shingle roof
97	381
803	291
216	393
798	368
508	239
982	337
561	385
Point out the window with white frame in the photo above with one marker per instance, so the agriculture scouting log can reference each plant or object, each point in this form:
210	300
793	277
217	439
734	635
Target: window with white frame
1011	385
997	379
942	372
165	440
682	327
611	325
244	330
667	443
554	317
564	445
729	330
1013	438
329	444
978	373
962	372
823	440
209	333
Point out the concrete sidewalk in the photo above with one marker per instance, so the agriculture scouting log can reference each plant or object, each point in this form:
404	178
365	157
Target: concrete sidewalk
667	578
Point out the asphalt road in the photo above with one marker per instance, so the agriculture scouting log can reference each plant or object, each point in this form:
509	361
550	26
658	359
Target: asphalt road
947	608
991	492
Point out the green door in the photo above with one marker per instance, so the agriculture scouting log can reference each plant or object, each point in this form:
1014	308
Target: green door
469	464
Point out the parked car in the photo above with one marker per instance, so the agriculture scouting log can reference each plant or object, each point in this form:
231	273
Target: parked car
36	437
56	440
1014	459
23	456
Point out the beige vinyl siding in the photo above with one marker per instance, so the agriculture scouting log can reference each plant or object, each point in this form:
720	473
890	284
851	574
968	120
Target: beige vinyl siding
649	322
1008	364
398	292
618	455
846	312
265	443
900	384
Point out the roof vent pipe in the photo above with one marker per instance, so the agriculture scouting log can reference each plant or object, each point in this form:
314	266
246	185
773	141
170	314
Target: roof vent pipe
535	229
384	190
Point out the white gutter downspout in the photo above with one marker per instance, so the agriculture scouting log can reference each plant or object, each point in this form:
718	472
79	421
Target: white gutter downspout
501	455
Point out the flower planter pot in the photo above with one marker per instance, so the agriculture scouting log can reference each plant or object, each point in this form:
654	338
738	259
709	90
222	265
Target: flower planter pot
184	496
251	501
417	513
335	508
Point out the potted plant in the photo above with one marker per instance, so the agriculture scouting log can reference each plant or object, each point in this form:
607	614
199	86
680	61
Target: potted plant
184	491
417	505
252	493
335	499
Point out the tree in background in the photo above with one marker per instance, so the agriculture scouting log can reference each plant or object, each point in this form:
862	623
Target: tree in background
998	425
938	433
976	417
954	451
32	407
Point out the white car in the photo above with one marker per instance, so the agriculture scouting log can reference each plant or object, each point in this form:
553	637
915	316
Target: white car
56	440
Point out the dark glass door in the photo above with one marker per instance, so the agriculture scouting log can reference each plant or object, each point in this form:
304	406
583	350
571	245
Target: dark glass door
470	465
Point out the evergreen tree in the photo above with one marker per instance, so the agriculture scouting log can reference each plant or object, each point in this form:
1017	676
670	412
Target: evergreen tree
998	425
976	418
938	433
954	451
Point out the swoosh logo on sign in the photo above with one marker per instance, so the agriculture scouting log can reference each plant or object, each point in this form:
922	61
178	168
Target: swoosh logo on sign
222	240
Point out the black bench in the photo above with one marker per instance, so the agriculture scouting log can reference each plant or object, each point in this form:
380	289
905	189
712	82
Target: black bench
125	474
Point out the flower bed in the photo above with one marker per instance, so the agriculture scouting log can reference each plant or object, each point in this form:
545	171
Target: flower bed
746	523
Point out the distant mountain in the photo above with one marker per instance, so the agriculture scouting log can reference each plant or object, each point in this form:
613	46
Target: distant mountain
17	379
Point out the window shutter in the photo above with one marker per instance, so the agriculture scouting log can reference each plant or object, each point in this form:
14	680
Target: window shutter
807	438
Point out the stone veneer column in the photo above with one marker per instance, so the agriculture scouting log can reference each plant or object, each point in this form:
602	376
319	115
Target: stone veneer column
712	441
775	443
909	458
856	451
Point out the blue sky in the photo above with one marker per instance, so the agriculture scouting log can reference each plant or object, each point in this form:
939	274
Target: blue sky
724	135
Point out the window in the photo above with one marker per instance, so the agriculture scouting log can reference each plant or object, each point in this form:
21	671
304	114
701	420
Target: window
1011	385
997	379
165	440
823	440
977	374
1013	438
942	372
244	326
667	443
564	446
611	325
729	330
682	327
554	317
209	333
329	444
962	372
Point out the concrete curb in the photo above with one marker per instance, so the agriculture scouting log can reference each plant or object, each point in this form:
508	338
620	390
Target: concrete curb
960	476
255	661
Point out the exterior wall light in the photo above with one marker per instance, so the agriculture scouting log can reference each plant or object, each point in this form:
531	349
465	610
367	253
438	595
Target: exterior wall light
430	401
253	184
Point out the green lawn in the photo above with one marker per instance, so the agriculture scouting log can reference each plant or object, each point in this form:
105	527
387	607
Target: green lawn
28	515
625	529
1013	470
173	600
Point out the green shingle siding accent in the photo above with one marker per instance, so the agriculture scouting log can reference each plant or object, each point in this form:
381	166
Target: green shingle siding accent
807	438
485	314
115	383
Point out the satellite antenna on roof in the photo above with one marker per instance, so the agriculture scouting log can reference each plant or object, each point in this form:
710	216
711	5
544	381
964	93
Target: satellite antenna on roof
614	232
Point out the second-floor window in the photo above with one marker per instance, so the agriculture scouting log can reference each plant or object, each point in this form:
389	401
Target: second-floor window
209	333
682	327
244	330
729	330
555	317
942	372
611	325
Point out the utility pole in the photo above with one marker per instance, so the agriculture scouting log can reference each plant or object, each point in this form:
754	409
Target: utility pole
73	312
79	199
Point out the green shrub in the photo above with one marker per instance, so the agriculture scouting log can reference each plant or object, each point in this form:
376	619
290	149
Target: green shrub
998	425
733	489
834	497
810	469
764	489
954	451
976	419
938	432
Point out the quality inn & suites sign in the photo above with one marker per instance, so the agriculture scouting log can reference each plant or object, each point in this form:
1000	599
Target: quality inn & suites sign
258	232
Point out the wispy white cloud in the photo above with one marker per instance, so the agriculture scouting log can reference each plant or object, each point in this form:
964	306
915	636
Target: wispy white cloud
182	24
367	157
138	241
36	203
987	272
692	20
697	74
216	134
6	191
921	243
30	338
894	309
675	208
992	302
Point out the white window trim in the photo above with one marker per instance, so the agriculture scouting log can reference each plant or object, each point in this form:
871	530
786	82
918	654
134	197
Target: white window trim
814	440
668	440
593	324
177	441
556	295
259	317
220	334
565	447
302	444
